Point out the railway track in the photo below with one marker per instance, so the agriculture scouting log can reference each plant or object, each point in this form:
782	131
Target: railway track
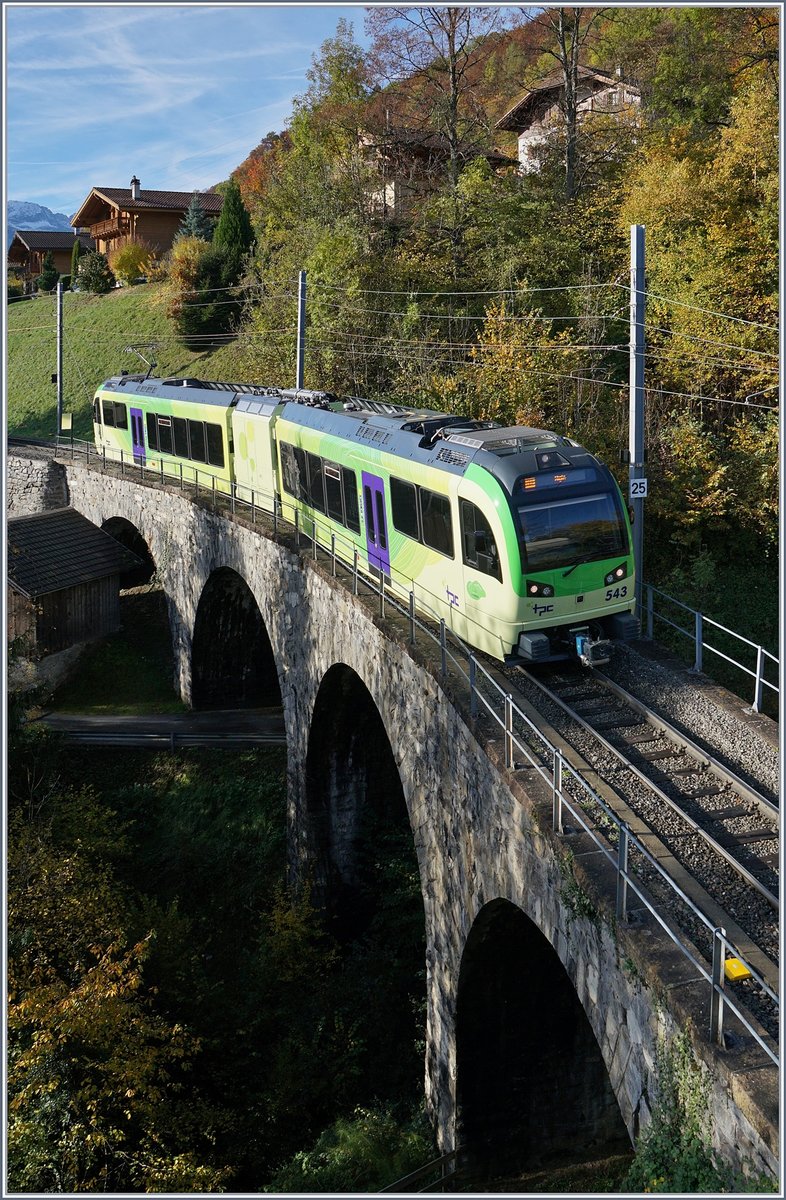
715	834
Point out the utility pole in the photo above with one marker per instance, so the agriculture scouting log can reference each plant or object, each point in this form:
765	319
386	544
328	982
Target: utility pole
59	356
637	481
301	329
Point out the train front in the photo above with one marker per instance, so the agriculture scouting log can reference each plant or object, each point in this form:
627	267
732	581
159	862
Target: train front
577	566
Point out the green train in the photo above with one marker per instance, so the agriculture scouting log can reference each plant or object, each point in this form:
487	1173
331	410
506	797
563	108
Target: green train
518	538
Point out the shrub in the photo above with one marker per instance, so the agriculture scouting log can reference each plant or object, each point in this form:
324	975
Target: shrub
16	289
49	275
131	261
95	274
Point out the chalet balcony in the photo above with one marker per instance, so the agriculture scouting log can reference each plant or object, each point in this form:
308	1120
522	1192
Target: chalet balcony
115	227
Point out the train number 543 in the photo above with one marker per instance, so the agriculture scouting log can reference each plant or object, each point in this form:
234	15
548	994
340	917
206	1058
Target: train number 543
616	593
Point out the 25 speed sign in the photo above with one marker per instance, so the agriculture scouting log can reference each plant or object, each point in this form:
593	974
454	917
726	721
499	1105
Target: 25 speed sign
637	489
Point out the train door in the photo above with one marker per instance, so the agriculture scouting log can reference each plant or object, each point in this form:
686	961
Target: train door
376	524
138	436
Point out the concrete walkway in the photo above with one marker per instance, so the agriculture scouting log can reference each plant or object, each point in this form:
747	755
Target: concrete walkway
222	729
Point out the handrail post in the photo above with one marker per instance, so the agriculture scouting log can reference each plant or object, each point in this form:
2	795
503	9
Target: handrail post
162	470
213	485
556	794
443	645
759	693
699	641
473	695
650	609
314	536
253	509
232	495
122	466
509	731
297	528
354	571
716	1001
181	477
381	592
276	502
412	618
332	553
622	872
103	464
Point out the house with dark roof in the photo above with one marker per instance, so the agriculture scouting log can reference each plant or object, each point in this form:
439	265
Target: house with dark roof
64	578
117	216
30	247
538	113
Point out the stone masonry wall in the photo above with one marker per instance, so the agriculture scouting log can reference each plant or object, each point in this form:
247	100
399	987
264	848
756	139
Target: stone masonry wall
34	483
480	831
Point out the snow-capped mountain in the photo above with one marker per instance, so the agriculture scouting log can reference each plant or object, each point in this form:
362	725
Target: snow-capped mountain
23	214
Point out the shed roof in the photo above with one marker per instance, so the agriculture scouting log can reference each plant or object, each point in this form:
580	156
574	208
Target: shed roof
50	551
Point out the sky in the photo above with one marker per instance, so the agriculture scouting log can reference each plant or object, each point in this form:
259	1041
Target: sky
175	94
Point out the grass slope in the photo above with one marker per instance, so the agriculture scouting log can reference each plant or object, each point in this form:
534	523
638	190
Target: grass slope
96	330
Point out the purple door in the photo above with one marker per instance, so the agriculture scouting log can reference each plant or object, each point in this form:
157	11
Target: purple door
376	524
138	436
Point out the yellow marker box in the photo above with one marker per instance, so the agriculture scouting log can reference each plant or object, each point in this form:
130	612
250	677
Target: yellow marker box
734	970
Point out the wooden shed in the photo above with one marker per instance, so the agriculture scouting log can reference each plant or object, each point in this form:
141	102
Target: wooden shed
63	580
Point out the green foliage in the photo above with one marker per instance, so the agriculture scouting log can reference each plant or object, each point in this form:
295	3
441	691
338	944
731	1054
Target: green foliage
94	274
196	222
49	274
233	233
76	253
674	1153
15	288
364	1152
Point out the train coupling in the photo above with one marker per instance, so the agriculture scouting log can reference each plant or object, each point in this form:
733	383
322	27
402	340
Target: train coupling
593	653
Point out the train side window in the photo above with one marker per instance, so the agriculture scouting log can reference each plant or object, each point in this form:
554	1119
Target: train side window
165	435
436	522
381	527
152	431
477	541
404	508
316	488
335	508
180	426
368	504
350	485
215	445
96	411
121	416
109	412
196	432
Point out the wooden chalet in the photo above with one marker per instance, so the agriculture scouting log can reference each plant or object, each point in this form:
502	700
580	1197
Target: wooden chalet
30	247
117	216
538	112
63	580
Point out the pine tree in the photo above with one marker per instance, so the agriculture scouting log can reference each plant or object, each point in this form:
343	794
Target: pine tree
95	274
234	231
49	274
196	222
76	254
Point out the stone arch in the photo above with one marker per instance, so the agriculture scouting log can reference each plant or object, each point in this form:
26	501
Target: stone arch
354	794
128	535
531	1082
232	660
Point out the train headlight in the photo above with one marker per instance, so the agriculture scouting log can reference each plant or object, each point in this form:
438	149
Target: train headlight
617	574
539	589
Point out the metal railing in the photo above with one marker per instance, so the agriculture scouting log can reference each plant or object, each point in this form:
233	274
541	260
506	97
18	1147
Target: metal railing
696	633
433	1175
610	834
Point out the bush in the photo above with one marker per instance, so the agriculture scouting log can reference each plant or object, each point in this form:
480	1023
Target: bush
95	274
49	275
66	282
131	261
16	290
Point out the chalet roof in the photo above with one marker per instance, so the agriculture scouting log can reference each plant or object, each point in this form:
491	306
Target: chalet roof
542	94
404	141
147	200
50	551
47	239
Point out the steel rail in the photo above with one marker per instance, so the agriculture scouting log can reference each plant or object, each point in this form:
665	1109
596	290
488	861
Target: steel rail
711	841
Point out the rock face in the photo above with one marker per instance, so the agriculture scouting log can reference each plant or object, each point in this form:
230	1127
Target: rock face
524	958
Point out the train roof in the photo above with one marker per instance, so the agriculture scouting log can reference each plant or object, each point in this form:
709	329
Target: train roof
427	436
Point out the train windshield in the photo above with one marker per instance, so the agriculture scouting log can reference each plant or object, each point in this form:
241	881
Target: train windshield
566	532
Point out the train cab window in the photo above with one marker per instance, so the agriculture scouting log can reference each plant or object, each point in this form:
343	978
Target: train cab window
196	433
165	435
404	507
316	488
350	487
109	412
96	411
436	522
215	445
293	470
335	508
477	541
152	431
121	416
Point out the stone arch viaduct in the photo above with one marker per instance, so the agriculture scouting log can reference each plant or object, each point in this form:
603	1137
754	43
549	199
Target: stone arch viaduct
543	1016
